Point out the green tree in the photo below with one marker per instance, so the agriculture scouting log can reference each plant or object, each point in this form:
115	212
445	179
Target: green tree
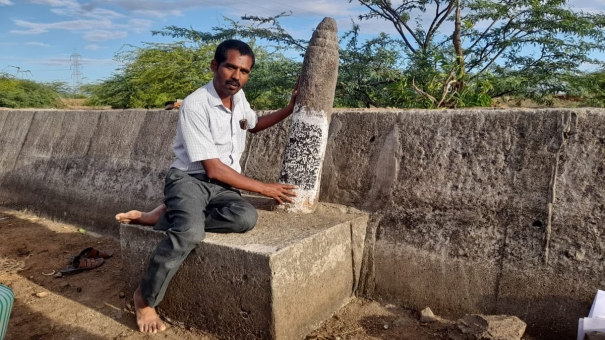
154	74
366	70
587	88
24	93
272	80
538	42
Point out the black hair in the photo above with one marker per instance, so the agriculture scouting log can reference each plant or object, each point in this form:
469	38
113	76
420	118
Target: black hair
221	50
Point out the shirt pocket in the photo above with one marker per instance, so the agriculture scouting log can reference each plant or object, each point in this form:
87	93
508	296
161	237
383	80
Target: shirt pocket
220	128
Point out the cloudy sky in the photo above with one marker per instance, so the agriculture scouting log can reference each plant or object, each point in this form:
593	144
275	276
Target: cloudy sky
42	39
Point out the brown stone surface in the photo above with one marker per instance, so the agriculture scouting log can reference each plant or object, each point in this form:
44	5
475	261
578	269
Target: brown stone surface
278	281
489	327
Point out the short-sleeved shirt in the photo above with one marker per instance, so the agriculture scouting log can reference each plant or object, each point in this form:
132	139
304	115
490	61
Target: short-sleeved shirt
206	129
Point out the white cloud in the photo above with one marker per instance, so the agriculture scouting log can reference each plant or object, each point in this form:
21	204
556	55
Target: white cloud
6	3
71	25
80	11
138	25
93	47
95	23
55	3
35	43
101	35
159	13
31	31
590	6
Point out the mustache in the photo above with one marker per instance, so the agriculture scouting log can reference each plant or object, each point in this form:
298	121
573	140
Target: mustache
233	82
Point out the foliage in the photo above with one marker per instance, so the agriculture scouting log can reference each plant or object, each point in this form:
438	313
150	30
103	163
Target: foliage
263	28
60	87
272	80
370	74
499	37
366	69
516	48
589	88
24	93
154	74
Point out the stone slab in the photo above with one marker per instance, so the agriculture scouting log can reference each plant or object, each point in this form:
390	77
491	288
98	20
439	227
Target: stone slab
278	281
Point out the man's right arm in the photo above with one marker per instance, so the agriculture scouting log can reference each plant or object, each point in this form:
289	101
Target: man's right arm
217	170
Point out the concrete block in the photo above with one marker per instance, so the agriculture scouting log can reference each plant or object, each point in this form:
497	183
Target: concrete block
278	281
35	156
85	166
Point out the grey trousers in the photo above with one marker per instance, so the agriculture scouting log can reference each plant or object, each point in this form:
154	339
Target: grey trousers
193	206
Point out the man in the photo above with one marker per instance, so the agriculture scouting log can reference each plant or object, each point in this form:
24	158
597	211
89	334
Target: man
200	193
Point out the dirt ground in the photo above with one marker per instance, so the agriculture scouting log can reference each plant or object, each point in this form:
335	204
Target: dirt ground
90	305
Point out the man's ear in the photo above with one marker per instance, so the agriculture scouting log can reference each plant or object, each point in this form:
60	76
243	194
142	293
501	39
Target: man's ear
213	65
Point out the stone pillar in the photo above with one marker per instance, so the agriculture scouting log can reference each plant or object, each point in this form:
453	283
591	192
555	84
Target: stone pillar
306	147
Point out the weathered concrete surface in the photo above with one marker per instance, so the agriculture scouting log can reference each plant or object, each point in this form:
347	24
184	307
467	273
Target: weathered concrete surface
278	281
308	136
472	211
83	167
477	211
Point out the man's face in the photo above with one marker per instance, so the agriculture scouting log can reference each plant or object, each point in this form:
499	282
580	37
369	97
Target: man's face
232	74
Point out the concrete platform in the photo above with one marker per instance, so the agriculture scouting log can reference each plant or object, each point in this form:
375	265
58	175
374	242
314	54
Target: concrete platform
278	281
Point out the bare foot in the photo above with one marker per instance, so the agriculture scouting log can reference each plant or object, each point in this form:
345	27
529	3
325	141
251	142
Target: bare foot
147	319
144	218
128	217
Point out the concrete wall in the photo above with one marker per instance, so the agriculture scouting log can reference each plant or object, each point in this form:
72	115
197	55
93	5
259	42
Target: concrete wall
493	211
84	166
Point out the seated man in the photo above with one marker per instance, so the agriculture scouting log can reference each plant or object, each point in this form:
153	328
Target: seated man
200	193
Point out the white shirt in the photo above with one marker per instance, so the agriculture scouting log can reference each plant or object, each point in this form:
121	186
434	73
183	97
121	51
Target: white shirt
207	129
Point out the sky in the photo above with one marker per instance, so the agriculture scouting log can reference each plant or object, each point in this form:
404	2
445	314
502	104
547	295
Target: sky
70	40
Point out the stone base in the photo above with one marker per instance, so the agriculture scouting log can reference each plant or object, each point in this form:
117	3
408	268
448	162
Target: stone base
278	281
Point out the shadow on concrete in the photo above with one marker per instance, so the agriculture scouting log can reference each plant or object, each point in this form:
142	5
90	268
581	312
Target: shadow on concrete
561	321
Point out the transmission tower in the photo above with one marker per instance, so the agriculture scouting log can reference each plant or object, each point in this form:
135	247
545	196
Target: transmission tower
76	71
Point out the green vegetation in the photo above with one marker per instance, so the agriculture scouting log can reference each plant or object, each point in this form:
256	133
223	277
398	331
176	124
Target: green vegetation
153	75
22	93
588	88
455	53
519	48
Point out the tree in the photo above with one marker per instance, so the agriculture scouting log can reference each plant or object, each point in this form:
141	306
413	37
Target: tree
538	41
272	81
587	88
366	70
154	74
24	93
